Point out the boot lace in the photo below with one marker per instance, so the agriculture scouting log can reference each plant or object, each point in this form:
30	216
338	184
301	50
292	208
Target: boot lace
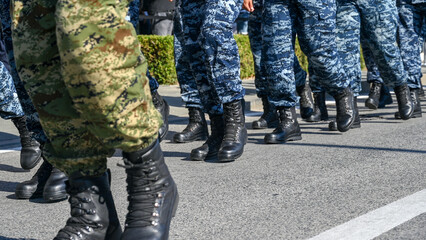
142	193
78	221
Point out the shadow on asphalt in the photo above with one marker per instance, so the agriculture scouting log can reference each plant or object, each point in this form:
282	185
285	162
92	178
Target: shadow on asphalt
7	238
7	186
183	155
7	136
8	168
362	147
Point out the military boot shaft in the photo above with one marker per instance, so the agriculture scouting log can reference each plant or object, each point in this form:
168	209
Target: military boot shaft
93	214
196	128
332	126
235	135
306	101
415	98
163	107
30	152
345	114
269	118
320	108
372	101
405	102
288	129
211	147
152	194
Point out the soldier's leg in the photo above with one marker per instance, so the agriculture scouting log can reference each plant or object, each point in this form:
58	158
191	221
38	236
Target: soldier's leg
269	117
320	108
133	15
159	102
278	54
10	107
197	126
316	28
379	94
380	23
303	90
410	42
107	104
192	13
223	73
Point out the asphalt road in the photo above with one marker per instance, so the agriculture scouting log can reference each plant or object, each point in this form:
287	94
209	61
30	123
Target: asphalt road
370	182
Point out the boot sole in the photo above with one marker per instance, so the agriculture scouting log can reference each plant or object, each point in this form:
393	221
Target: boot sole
289	138
371	106
23	195
229	157
415	115
198	138
197	157
269	125
55	196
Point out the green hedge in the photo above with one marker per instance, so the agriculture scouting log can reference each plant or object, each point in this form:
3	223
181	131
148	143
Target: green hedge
158	50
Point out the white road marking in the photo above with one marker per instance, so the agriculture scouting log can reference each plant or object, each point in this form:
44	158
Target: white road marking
379	221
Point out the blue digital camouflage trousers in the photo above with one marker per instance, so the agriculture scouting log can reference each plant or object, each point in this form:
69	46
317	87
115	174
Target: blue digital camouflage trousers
212	52
10	107
412	15
376	21
133	17
255	36
373	74
186	77
33	120
314	22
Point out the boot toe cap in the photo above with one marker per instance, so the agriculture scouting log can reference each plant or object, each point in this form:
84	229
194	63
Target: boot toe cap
30	157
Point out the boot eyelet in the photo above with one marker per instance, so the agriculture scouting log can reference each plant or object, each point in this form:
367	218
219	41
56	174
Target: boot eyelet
89	229
156	204
154	223
155	214
159	195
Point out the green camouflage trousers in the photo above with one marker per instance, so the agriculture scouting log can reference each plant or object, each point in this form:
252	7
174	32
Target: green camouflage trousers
83	68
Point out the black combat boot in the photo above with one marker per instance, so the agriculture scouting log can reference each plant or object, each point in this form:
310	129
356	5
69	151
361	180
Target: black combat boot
417	113
332	126
30	152
345	114
196	128
405	103
55	188
287	130
372	101
235	136
320	108
210	148
385	97
93	214
269	118
306	101
162	106
153	195
33	188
